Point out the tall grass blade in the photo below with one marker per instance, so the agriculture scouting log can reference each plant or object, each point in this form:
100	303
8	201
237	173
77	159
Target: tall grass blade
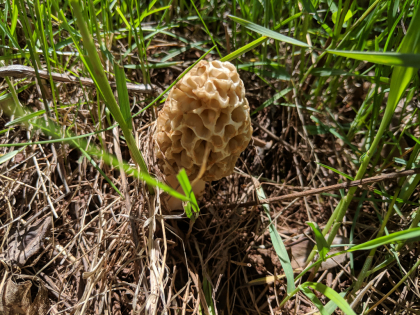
207	30
269	33
105	88
278	245
123	99
382	58
244	49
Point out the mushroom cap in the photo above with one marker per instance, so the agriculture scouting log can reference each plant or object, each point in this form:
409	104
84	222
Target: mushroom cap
206	107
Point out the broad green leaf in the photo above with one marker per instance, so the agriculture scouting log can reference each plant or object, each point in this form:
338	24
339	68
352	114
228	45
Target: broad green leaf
269	33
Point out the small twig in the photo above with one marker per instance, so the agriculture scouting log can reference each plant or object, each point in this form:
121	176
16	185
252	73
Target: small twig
315	191
20	71
41	212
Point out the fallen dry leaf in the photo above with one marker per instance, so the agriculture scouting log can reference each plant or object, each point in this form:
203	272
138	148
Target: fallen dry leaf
27	242
300	251
16	298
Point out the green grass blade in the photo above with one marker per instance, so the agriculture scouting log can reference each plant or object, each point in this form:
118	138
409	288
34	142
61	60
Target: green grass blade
311	296
244	49
401	78
14	20
105	88
174	83
112	160
269	33
25	118
257	42
8	156
4	28
145	14
309	7
278	245
20	144
382	58
276	72
123	98
336	171
332	295
321	243
388	239
271	100
207	30
208	293
186	187
335	133
5	130
401	236
158	65
96	166
330	307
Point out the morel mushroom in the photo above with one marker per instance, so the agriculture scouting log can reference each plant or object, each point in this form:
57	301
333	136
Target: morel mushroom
204	125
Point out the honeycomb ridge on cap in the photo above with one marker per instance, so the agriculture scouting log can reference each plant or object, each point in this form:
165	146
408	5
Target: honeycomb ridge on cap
207	105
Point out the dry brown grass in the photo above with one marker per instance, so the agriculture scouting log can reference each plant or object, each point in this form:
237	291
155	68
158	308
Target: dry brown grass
105	254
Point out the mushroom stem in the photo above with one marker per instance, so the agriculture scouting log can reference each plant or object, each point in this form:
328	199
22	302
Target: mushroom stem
203	166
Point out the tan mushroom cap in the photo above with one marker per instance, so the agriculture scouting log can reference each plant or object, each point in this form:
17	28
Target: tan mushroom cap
206	108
